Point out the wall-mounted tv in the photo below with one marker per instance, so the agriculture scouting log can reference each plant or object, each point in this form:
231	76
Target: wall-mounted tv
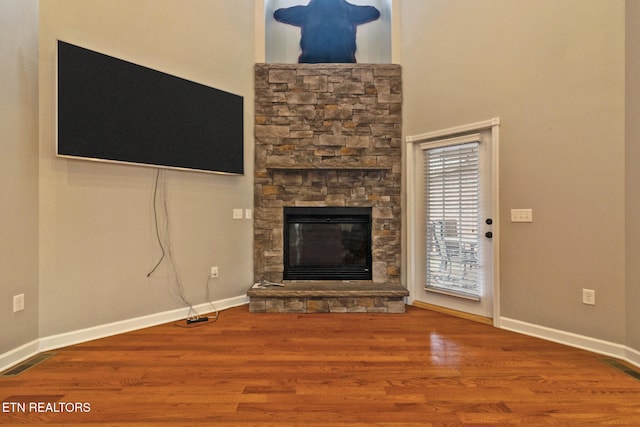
113	110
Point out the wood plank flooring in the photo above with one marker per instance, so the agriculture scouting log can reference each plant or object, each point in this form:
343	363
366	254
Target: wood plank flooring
420	368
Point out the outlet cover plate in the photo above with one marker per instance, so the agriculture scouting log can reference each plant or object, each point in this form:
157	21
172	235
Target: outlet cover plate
589	296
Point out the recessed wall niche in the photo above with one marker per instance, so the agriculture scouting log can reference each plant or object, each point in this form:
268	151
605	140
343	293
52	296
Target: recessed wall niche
282	41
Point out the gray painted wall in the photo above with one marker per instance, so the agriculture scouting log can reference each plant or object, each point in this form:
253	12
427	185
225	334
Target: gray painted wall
18	171
97	236
633	174
554	73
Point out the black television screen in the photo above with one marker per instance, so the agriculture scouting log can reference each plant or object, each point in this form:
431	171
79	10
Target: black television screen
113	110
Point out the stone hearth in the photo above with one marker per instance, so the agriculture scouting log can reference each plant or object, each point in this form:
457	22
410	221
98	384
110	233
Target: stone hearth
328	297
328	135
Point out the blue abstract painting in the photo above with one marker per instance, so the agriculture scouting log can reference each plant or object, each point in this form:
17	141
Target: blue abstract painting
328	29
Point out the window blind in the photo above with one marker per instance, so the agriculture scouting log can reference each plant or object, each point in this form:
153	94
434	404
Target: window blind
452	213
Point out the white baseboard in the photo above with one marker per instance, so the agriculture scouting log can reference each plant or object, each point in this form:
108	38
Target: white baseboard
66	339
17	355
633	356
583	342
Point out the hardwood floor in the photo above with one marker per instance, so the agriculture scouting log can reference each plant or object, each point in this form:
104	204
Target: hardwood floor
420	368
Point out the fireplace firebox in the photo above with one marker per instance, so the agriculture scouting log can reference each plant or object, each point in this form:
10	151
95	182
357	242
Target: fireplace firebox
327	243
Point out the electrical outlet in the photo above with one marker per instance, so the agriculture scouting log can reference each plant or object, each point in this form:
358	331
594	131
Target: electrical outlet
237	214
18	303
214	272
589	296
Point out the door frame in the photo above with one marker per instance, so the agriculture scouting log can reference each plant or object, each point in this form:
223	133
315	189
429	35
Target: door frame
412	150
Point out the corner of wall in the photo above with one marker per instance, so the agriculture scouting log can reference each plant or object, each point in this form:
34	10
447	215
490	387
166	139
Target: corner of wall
19	172
632	175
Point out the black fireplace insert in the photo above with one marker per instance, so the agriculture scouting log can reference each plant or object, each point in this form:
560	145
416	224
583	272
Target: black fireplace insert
327	243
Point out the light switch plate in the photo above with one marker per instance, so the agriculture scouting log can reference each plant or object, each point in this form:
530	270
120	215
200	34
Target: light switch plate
18	303
521	215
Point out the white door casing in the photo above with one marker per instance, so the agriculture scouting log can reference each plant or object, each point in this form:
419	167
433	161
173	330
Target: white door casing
487	302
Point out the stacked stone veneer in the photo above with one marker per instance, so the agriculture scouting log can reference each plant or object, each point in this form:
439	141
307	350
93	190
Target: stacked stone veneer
328	135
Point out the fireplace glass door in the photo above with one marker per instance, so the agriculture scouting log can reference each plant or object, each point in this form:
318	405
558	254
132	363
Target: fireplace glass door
327	243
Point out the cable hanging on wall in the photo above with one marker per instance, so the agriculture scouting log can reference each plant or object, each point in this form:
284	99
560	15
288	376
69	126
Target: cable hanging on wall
163	236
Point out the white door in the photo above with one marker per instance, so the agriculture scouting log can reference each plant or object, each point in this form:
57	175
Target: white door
452	218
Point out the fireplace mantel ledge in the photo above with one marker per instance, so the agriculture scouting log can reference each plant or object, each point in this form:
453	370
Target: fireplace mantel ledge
303	167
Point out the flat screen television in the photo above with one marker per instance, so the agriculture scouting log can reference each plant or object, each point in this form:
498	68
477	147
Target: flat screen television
113	110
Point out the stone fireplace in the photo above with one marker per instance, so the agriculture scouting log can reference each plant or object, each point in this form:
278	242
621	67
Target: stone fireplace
328	136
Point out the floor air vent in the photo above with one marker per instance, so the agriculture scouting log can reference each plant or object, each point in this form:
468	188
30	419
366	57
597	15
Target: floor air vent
27	364
622	367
